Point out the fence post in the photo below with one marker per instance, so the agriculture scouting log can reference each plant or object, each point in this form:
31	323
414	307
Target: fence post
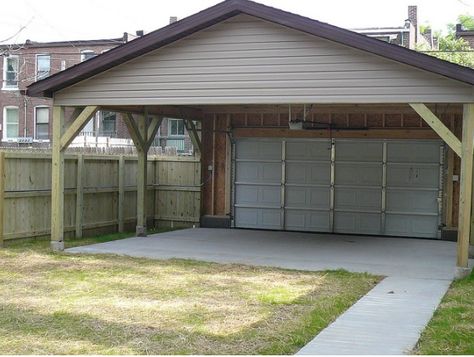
79	195
2	194
121	193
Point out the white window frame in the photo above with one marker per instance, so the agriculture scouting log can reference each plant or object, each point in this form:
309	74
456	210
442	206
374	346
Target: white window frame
34	121
169	129
84	52
36	65
4	123
4	84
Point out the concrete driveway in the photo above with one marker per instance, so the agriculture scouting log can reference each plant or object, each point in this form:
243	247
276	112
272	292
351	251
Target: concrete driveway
415	258
388	320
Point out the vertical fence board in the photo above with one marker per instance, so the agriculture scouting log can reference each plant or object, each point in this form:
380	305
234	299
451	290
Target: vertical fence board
108	192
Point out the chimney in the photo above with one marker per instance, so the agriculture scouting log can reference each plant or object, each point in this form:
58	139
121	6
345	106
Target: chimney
413	20
413	15
139	33
173	19
459	28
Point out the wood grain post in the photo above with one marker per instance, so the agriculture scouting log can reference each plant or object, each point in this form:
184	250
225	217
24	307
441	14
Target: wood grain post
121	193
79	195
141	179
449	189
57	185
2	196
465	195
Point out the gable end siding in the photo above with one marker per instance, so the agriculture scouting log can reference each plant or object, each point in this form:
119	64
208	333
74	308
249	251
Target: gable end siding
245	60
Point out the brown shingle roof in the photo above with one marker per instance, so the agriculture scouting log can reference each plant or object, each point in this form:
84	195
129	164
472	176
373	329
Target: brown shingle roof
228	9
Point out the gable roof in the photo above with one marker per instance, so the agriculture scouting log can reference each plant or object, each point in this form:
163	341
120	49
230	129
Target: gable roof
231	8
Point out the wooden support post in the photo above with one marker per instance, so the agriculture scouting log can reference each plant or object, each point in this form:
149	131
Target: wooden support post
228	167
2	195
449	189
141	178
79	195
57	186
465	196
121	193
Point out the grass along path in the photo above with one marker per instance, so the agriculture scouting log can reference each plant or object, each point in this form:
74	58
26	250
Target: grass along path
84	304
451	330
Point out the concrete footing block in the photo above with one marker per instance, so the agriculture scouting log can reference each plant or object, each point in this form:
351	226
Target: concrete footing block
140	231
462	273
57	246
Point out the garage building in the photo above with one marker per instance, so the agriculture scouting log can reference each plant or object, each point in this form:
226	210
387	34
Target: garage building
300	125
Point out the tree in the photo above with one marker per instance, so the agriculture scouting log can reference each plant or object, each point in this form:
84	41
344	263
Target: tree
452	49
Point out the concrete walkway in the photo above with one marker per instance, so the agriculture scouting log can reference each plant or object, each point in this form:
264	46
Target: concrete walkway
388	320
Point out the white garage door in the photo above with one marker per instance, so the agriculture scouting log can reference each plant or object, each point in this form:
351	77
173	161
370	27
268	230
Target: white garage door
378	187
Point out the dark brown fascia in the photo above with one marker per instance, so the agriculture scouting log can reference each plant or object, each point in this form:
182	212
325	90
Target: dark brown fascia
226	10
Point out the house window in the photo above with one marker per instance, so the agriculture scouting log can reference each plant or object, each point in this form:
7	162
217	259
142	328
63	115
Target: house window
108	124
10	72
42	123
10	122
43	66
63	65
87	54
175	127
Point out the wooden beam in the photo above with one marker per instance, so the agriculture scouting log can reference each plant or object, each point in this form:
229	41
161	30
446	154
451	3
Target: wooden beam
121	193
449	189
79	195
465	195
372	133
152	130
132	127
142	131
193	135
77	125
57	184
437	125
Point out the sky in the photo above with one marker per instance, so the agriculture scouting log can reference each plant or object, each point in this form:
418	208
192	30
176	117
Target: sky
59	20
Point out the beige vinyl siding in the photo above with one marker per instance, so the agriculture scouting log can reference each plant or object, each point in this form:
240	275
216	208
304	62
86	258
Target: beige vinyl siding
245	60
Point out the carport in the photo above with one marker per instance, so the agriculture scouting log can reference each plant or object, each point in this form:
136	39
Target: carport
281	108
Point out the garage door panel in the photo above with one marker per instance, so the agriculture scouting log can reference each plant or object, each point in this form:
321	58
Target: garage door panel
255	195
411	225
358	174
254	172
258	150
301	220
355	222
358	199
310	197
412	152
402	175
408	170
261	218
316	150
359	151
308	173
412	201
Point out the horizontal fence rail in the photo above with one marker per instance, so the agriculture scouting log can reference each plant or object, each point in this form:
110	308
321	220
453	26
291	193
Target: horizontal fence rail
100	193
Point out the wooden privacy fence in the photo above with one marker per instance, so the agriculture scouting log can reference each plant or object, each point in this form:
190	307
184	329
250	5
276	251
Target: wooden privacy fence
100	193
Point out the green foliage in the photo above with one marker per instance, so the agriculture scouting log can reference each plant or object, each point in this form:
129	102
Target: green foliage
452	49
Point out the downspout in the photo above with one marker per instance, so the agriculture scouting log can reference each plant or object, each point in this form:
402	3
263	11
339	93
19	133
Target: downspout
25	107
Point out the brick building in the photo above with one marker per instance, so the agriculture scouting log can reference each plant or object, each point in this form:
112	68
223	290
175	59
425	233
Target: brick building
466	34
408	35
26	121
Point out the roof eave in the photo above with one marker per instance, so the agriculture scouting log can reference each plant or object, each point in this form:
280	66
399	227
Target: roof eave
230	8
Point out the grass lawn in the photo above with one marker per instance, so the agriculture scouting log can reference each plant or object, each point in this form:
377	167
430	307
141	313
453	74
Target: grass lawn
451	331
102	304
